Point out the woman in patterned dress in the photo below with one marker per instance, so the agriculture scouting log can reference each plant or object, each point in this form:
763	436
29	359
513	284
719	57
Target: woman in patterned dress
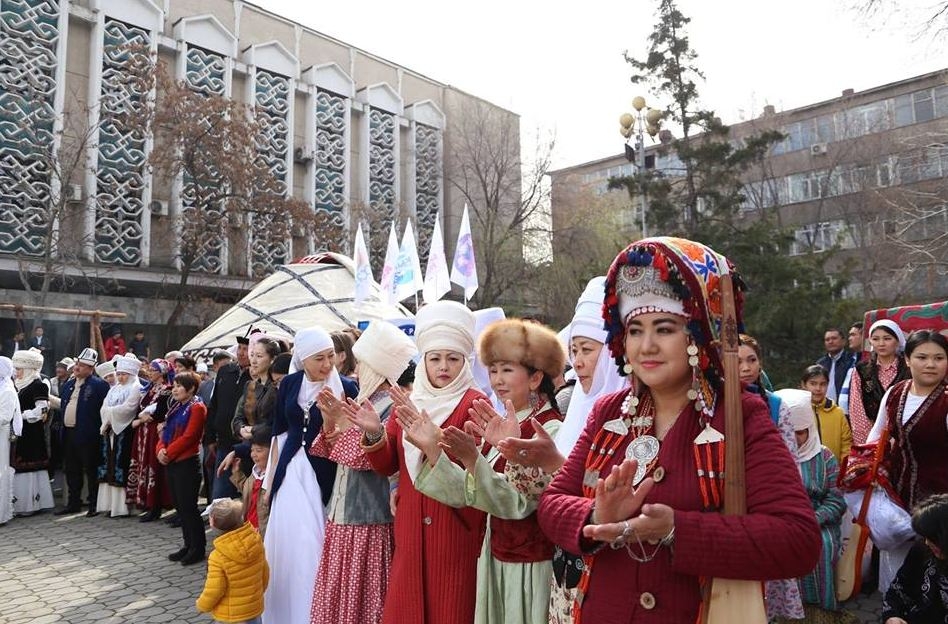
357	551
870	379
31	489
11	422
147	485
819	470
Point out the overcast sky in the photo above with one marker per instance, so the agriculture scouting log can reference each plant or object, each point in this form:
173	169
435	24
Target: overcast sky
562	69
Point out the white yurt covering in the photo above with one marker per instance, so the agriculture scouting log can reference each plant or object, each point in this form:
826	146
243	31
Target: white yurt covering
315	290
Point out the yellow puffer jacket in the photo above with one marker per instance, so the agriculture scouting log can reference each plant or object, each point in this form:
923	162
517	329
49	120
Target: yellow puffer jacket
834	428
237	575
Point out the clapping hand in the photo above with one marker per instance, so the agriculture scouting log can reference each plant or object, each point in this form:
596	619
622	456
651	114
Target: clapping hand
537	452
331	409
616	501
460	446
362	416
420	431
486	423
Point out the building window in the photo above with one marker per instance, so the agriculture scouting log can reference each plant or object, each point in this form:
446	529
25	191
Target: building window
904	115
924	106
819	237
941	101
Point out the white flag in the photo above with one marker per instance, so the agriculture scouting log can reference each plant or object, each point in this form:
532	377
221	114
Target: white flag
437	280
363	271
464	269
388	269
408	279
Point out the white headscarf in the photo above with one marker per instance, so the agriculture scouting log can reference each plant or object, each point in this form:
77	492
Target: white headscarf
6	385
443	325
587	323
121	403
306	343
893	327
802	417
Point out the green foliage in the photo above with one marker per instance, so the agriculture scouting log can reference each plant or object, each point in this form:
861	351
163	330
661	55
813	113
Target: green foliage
790	300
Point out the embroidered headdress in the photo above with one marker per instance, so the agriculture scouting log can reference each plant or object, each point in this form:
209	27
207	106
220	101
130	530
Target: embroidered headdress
680	277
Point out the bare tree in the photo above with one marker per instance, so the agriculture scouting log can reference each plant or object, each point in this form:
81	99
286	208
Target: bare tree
213	148
507	196
43	228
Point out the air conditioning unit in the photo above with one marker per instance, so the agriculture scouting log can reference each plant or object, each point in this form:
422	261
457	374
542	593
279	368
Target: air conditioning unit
301	156
158	208
73	193
817	149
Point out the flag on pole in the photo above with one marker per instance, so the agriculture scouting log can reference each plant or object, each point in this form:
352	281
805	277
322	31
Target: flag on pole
388	269
408	279
363	271
464	269
437	279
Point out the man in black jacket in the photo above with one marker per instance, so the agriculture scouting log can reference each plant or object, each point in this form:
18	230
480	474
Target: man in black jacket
218	434
837	362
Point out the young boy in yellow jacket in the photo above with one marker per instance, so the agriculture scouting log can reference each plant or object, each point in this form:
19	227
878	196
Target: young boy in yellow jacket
237	572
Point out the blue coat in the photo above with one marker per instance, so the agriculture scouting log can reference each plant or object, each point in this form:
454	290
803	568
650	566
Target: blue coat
288	418
88	417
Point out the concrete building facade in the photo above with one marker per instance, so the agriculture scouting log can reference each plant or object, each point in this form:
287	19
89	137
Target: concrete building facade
864	174
346	130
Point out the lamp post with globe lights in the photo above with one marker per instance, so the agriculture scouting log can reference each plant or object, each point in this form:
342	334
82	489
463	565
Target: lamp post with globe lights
635	125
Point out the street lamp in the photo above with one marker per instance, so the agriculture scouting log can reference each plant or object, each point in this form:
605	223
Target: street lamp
634	125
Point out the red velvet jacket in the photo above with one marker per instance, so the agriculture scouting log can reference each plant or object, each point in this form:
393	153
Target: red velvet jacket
779	538
521	541
433	579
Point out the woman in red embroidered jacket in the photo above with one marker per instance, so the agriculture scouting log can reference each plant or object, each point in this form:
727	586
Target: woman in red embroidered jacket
433	575
514	569
637	495
916	411
177	449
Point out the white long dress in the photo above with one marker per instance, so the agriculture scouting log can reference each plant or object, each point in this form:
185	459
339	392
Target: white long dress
296	525
9	410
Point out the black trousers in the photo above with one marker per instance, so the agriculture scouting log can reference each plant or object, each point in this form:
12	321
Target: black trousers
81	460
184	481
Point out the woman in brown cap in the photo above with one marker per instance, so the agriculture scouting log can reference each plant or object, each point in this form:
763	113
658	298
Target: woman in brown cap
514	569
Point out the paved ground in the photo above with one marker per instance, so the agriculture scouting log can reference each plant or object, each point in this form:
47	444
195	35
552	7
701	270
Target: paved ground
79	570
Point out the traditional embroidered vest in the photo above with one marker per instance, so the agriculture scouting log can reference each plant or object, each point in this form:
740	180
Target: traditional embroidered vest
917	459
521	541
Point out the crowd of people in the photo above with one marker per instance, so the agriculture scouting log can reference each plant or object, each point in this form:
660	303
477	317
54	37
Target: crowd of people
505	474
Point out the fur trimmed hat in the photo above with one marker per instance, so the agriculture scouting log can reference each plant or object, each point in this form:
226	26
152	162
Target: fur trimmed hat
30	359
525	342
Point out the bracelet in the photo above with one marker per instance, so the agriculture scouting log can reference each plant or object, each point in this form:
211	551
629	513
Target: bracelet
372	438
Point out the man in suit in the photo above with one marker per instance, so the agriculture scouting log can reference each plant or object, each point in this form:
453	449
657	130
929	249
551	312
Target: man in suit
40	342
81	400
17	343
218	433
837	362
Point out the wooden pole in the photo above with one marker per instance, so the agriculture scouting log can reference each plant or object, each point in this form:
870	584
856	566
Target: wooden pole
70	311
730	600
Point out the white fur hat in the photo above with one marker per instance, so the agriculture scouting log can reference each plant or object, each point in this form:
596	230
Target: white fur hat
105	369
127	364
385	349
29	358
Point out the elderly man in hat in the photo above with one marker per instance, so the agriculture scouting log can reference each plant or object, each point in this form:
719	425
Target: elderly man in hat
81	398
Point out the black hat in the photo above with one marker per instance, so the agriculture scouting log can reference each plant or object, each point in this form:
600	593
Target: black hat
245	339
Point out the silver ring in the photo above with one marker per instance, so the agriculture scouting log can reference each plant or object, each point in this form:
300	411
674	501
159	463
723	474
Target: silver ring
627	529
522	453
